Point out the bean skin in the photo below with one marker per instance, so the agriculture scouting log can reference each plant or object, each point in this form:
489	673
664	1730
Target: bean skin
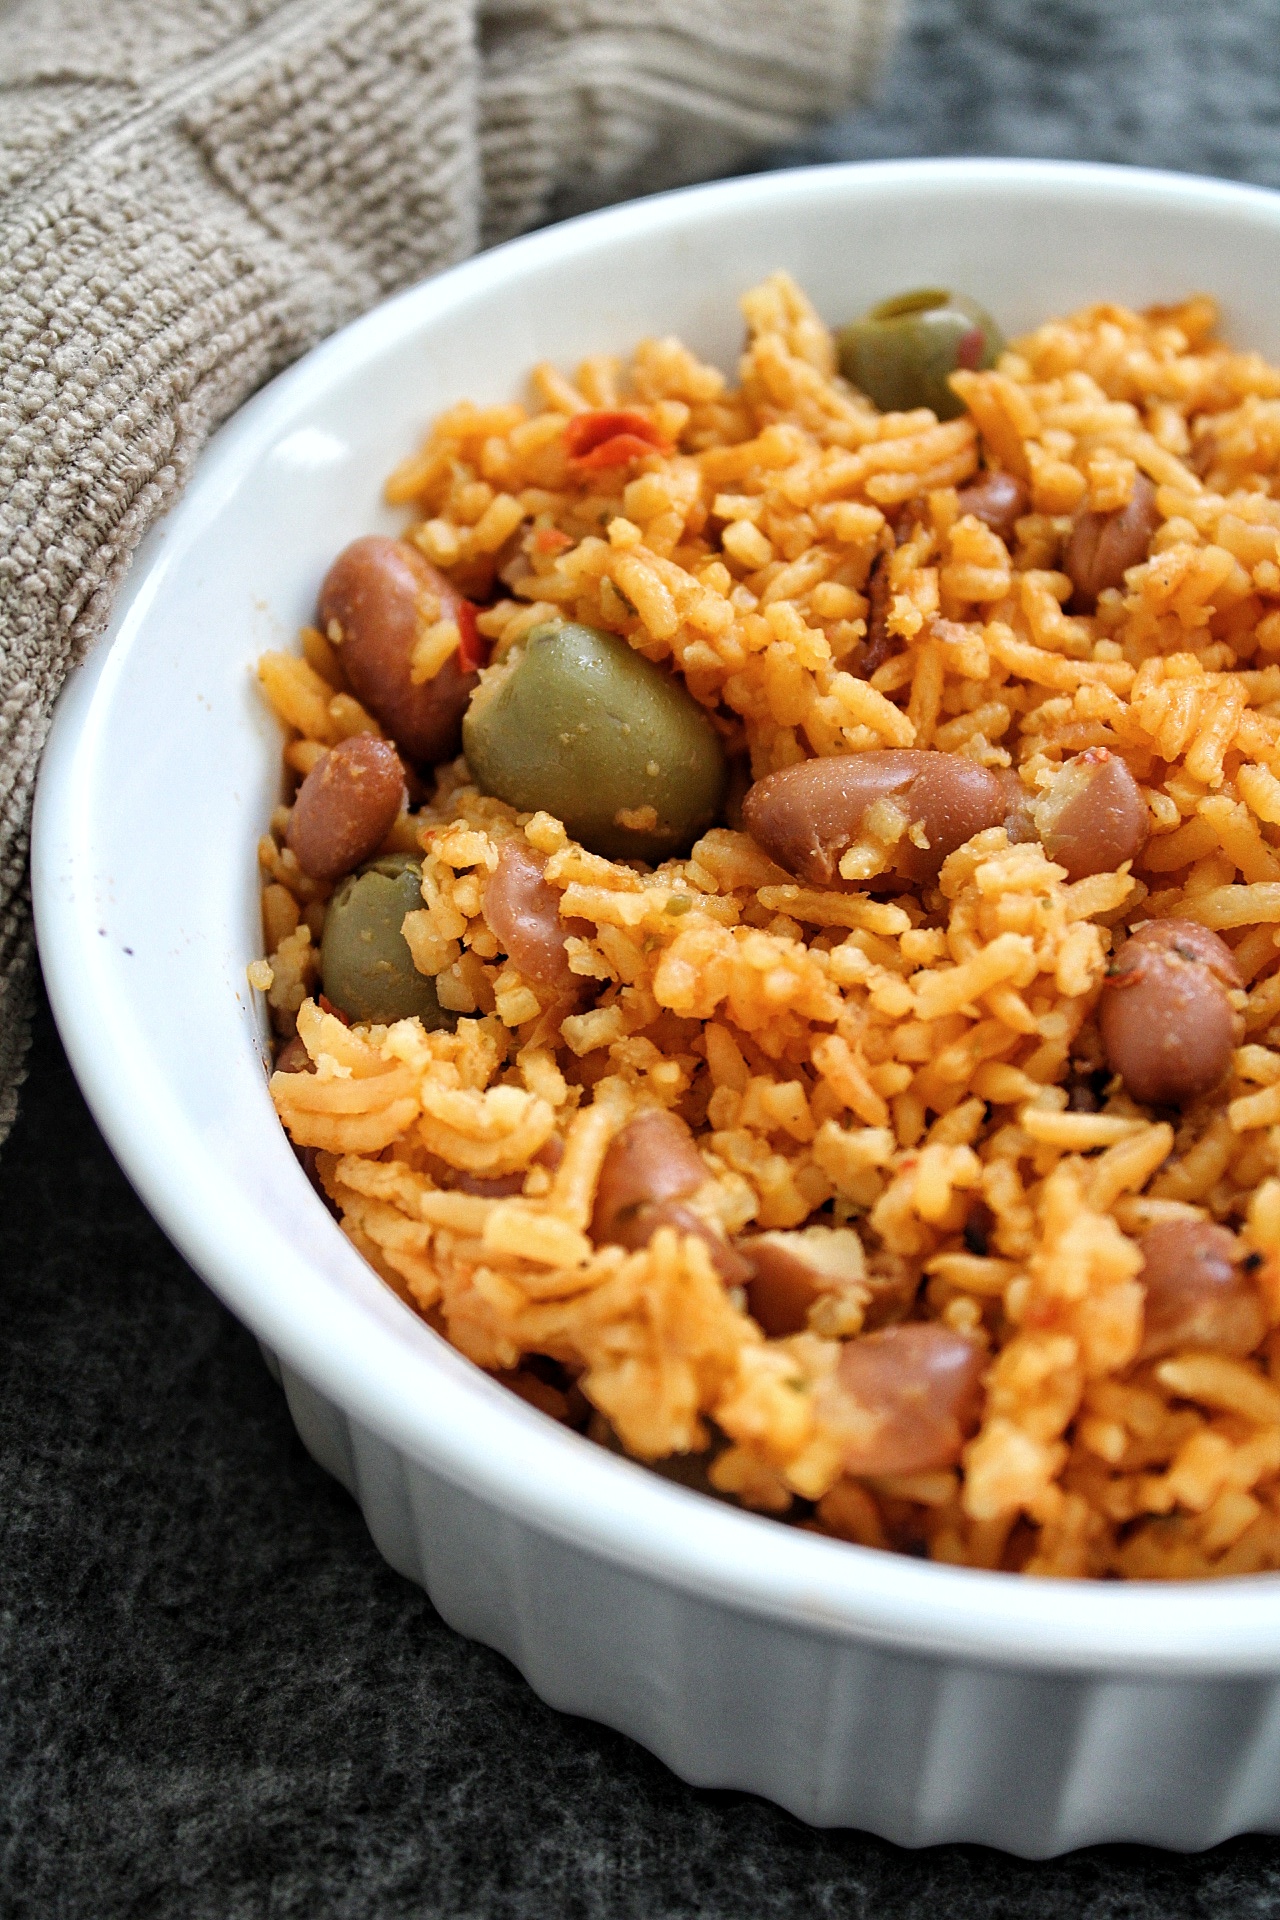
523	914
999	500
381	593
1197	1292
1167	1025
906	1399
294	1058
1017	822
637	1228
904	520
346	807
807	816
1103	546
880	645
791	1271
653	1158
651	1168
1093	817
780	1292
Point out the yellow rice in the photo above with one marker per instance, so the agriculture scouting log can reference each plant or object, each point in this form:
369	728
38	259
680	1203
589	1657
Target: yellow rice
894	1062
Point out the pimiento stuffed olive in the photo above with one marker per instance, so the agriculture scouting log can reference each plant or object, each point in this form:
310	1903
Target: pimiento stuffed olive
582	726
903	351
366	967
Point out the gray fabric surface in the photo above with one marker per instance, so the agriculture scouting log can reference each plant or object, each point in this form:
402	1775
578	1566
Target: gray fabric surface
1188	84
216	1700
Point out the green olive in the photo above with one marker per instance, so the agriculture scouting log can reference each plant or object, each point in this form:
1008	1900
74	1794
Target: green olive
366	968
901	352
581	726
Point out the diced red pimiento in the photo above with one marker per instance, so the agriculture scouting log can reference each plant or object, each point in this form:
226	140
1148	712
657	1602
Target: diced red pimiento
617	452
969	349
326	1006
550	540
604	437
473	648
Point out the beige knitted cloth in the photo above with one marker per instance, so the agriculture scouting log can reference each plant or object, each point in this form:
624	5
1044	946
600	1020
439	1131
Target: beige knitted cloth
193	192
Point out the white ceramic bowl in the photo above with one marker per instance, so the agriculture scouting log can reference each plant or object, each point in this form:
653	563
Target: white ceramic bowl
854	1687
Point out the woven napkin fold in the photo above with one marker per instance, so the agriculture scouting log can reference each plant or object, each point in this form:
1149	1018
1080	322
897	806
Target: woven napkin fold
193	192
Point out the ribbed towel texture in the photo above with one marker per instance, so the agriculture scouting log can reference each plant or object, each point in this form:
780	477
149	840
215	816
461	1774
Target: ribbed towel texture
193	192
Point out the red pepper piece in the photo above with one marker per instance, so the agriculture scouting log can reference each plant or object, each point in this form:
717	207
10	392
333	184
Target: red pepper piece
327	1006
473	649
551	540
616	452
607	438
970	348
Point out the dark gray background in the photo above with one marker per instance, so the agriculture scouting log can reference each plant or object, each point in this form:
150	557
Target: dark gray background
217	1700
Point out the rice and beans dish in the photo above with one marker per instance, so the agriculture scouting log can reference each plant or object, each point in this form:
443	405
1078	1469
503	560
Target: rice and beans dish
775	940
